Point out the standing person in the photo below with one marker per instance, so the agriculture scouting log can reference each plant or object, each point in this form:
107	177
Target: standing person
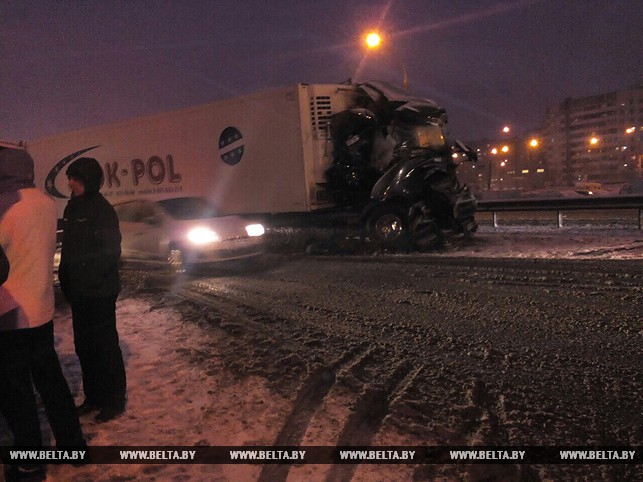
89	279
27	354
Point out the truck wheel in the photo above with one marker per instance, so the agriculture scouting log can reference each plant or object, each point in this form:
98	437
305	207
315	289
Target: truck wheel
388	227
176	260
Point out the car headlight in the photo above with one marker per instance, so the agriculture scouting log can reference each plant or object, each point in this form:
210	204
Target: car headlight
255	230
203	236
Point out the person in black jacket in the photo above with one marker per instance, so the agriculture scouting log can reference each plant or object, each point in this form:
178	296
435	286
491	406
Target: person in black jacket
89	279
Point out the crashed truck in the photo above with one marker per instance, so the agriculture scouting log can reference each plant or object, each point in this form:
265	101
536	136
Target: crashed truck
368	152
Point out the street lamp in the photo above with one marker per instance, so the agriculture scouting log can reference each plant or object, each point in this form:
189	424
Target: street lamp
373	41
532	145
635	146
494	151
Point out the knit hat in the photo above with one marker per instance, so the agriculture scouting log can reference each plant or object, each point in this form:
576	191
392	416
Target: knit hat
88	171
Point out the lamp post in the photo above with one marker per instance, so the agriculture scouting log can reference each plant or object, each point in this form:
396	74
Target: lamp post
532	145
493	152
635	144
373	41
489	174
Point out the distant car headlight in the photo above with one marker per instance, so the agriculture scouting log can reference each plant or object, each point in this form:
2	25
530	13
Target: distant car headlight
203	236
255	230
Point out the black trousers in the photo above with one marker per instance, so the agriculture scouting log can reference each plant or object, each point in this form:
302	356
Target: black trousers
28	359
97	346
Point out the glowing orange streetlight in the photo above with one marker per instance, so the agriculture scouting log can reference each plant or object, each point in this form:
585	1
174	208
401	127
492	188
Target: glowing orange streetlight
533	145
373	40
506	129
593	141
505	148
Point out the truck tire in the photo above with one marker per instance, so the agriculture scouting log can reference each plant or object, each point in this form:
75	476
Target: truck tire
388	227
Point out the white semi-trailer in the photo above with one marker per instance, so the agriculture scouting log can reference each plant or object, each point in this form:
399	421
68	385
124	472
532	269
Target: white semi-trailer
300	149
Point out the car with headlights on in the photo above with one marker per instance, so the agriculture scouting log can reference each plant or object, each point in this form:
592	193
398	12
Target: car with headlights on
185	232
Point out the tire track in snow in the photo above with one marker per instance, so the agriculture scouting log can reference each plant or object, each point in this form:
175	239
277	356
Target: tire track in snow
310	397
368	415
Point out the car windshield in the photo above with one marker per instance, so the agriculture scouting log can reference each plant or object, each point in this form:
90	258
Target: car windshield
185	208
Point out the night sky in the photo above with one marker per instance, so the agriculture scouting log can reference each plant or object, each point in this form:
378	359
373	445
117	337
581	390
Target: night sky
68	64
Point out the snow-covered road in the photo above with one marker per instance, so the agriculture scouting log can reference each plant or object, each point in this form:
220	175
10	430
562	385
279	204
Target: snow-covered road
441	348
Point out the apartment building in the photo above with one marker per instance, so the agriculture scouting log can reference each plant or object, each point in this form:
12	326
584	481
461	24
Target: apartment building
595	139
582	141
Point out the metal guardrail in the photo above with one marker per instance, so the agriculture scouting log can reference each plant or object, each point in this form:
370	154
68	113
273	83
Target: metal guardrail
563	204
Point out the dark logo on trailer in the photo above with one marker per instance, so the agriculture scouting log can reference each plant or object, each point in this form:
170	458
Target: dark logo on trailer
230	146
50	181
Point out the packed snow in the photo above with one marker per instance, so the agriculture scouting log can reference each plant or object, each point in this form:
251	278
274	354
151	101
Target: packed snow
550	242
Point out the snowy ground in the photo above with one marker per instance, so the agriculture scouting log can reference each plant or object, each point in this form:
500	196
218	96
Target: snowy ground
170	400
174	400
550	242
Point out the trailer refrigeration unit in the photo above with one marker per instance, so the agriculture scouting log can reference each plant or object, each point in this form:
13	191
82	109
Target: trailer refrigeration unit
369	151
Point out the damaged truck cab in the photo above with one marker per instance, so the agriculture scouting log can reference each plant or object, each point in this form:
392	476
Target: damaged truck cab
393	159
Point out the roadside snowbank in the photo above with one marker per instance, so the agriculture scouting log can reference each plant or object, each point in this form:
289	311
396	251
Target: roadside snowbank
549	242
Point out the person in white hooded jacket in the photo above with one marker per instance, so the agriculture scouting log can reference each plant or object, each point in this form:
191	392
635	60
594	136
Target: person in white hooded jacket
28	237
